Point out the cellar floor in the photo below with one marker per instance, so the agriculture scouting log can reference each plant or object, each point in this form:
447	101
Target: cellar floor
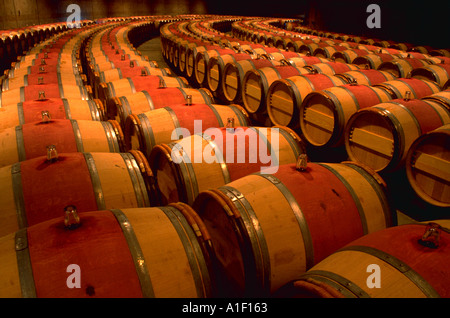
152	49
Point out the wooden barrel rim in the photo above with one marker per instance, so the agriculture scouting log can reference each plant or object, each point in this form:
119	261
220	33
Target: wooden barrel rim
409	167
389	120
291	90
330	105
164	150
118	133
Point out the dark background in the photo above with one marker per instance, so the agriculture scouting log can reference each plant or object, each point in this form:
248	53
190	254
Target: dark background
414	21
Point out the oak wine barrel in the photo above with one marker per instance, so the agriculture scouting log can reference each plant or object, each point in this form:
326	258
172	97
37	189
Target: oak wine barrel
159	252
256	83
373	60
57	108
145	130
30	141
401	67
380	136
410	87
43	78
268	229
190	165
427	166
132	85
324	114
331	68
202	61
367	77
442	97
120	108
233	75
406	256
285	96
44	91
439	73
216	65
34	190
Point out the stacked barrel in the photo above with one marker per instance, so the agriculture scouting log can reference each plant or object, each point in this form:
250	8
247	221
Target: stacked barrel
269	160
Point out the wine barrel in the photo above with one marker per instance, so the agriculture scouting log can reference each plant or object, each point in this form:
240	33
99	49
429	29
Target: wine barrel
103	65
43	78
367	77
34	190
136	84
268	229
331	68
410	87
296	45
442	97
402	46
285	96
440	59
118	253
349	55
36	69
190	56
373	60
424	49
62	58
328	51
256	83
145	130
117	73
446	85
30	141
427	166
233	75
279	41
310	48
301	61
216	65
419	55
121	107
44	91
201	64
440	52
207	163
324	114
51	55
401	67
410	266
380	136
56	108
439	73
186	57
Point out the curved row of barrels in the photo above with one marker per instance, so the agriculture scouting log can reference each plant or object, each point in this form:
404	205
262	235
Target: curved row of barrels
202	64
14	42
220	209
378	42
283	34
54	139
398	68
109	58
